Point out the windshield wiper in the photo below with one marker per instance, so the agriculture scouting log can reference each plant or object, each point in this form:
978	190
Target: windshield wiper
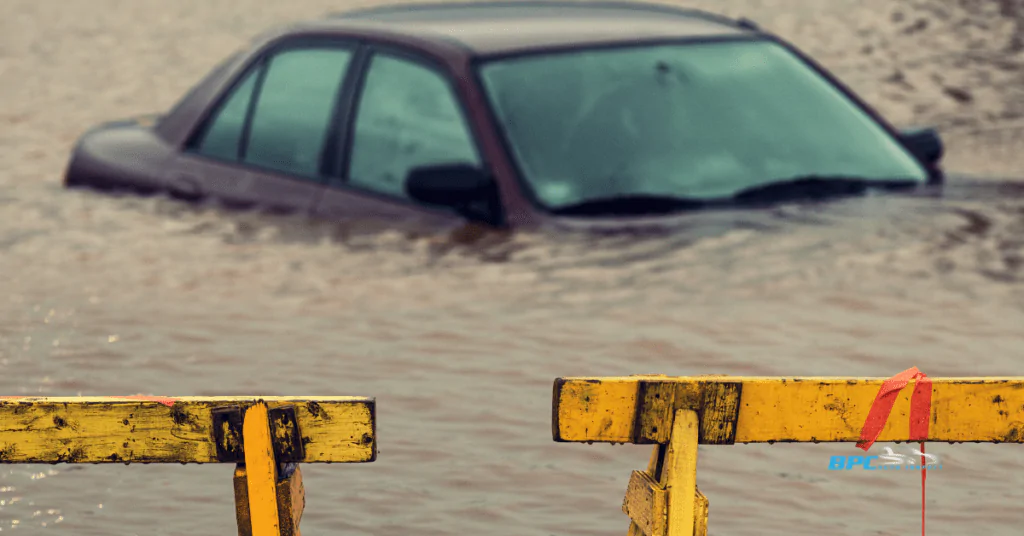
804	188
816	187
631	205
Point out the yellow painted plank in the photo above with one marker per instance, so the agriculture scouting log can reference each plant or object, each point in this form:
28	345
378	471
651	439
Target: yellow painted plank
801	409
608	406
680	474
700	514
291	502
652	470
242	517
645	504
260	472
169	430
642	489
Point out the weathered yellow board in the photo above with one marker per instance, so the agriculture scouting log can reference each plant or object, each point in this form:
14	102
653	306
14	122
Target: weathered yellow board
646	504
261	473
170	430
672	506
291	502
680	474
792	409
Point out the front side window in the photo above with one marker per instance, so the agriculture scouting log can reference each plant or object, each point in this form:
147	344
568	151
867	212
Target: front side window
408	116
289	121
698	121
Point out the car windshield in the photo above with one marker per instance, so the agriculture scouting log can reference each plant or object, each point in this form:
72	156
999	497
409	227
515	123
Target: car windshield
696	121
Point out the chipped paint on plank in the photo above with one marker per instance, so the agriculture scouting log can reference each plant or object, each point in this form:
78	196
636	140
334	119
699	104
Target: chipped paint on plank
700	514
132	430
646	504
610	408
812	409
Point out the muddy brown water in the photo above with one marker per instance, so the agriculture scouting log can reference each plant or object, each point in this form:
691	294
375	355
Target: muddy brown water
460	341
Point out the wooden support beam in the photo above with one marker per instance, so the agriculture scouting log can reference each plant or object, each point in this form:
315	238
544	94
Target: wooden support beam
291	502
679	473
261	472
700	514
646	504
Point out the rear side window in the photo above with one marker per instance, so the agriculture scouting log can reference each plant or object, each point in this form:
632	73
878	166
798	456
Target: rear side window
279	119
222	138
295	108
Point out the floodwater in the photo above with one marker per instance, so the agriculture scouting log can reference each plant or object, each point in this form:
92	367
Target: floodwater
459	340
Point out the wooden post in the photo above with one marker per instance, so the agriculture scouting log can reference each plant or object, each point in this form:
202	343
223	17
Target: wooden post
291	499
656	499
268	502
261	472
652	471
679	473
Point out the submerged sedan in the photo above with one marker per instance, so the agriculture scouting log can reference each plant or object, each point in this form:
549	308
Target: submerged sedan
512	114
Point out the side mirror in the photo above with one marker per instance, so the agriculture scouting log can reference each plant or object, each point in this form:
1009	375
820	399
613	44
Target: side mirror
925	144
459	186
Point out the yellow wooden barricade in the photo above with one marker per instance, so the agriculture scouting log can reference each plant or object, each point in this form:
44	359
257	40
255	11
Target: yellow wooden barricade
266	438
677	413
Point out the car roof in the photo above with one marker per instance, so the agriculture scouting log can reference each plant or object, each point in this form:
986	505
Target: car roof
497	27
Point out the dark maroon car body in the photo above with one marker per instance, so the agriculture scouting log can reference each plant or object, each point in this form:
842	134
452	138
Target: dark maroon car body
153	155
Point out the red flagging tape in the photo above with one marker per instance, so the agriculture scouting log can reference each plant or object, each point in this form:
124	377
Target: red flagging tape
920	415
169	402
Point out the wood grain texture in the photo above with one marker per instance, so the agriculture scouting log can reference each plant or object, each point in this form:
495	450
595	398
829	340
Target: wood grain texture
261	472
679	474
170	430
291	502
988	410
700	514
646	504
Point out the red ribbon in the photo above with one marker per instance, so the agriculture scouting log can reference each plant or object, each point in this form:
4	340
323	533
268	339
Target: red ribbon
920	415
167	401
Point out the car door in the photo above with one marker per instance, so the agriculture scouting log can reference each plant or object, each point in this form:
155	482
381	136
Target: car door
406	114
265	142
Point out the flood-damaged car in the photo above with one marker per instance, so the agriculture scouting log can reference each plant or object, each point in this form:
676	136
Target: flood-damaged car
513	114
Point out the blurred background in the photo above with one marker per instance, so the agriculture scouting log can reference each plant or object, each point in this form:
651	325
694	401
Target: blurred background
459	339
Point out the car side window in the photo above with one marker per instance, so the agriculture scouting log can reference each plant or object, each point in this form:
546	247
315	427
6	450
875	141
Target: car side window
294	109
224	132
408	116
